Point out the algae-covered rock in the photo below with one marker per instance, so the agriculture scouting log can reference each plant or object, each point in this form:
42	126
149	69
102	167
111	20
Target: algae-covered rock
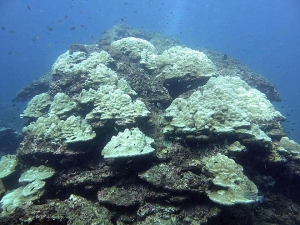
8	165
79	62
179	62
231	185
132	44
113	103
130	195
75	210
62	105
36	173
2	189
73	129
172	178
127	144
37	106
226	105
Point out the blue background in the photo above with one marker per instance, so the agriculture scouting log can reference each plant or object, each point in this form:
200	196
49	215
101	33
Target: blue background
263	34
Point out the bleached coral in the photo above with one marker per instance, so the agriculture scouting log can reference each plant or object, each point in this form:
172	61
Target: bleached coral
113	103
62	105
178	62
233	187
73	129
79	62
132	44
128	143
37	106
225	105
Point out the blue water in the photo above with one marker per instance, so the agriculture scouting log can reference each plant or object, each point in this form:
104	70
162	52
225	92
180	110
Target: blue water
265	35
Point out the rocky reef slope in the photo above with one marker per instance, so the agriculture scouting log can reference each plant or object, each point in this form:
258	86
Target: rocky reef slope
137	129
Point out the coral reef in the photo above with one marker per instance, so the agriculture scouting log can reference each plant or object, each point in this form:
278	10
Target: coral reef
137	129
224	105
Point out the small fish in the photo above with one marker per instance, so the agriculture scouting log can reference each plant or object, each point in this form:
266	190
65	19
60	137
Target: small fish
28	7
11	32
72	28
66	16
37	37
59	21
3	28
49	28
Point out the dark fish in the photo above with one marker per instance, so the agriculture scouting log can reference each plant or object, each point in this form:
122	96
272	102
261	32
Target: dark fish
72	28
225	57
49	28
28	7
3	28
125	3
66	16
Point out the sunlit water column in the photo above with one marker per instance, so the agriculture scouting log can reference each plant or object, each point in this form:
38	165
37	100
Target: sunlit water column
175	17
